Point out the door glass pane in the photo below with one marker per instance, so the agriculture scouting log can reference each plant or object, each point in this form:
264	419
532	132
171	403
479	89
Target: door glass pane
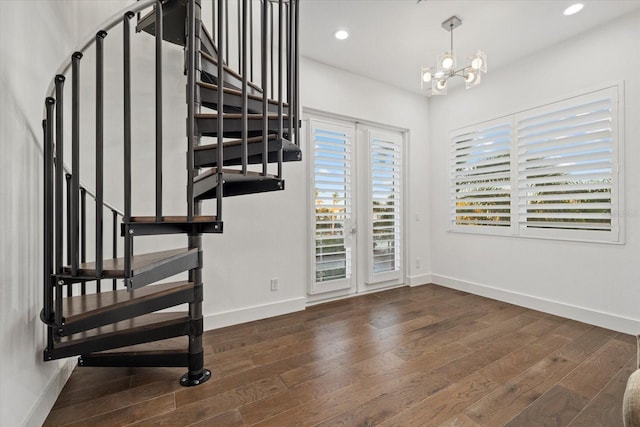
385	202
333	210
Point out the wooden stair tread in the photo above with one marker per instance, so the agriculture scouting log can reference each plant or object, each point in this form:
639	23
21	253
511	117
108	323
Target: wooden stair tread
140	323
229	70
214	171
178	345
114	268
82	306
239	93
238	116
234	143
173	219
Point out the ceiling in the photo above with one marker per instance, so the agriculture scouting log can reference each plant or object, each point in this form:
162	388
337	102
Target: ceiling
390	40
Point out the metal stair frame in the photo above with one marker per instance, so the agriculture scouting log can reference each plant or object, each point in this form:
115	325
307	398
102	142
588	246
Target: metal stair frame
87	334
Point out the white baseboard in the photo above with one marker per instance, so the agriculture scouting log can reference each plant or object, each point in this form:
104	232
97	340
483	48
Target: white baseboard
421	279
249	314
41	408
582	314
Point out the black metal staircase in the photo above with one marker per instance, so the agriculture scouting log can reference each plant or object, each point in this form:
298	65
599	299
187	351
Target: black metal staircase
254	133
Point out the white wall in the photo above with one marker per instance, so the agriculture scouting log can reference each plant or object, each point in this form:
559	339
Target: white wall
596	283
29	37
265	234
35	37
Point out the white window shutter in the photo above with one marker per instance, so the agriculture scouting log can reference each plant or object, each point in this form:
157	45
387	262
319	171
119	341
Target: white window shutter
480	173
385	201
567	168
333	209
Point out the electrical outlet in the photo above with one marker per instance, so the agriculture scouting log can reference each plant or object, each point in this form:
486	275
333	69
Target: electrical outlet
274	284
417	262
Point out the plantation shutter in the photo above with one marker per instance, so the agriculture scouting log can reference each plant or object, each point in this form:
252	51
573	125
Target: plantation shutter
385	175
333	209
481	176
567	168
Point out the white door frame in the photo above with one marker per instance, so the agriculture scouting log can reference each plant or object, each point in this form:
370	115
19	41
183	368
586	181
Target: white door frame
359	272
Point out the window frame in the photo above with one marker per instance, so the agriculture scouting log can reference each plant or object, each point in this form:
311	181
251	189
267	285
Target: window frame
615	235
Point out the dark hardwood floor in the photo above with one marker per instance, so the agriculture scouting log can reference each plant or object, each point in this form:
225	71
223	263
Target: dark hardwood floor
424	356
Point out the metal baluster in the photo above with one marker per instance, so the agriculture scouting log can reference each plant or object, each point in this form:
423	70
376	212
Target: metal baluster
59	174
115	241
126	60
83	234
191	99
289	73
99	151
69	181
251	38
264	54
159	31
280	82
272	16
48	212
245	98
226	31
214	33
72	213
296	90
220	127
239	12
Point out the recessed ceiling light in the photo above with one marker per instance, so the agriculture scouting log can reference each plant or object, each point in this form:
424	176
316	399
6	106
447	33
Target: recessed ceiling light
341	34
573	9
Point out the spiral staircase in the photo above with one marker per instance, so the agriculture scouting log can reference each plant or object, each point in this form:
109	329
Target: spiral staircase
242	124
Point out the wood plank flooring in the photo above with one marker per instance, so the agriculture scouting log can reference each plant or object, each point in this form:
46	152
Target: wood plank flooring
424	356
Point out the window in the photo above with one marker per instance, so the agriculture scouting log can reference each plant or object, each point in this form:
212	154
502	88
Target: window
481	175
560	181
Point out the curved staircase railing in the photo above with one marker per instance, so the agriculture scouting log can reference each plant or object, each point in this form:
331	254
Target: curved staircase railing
252	133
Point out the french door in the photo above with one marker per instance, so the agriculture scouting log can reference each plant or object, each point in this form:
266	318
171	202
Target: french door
355	207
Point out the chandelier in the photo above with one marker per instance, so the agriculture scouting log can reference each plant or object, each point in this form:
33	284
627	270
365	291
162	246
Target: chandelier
471	73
